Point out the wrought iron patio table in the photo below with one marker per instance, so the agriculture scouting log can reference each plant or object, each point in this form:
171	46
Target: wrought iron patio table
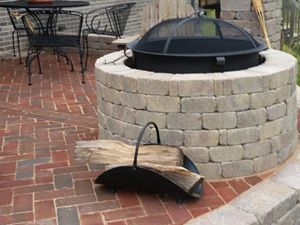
36	9
58	4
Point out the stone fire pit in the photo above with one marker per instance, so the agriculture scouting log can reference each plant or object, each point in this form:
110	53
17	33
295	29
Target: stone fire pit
230	124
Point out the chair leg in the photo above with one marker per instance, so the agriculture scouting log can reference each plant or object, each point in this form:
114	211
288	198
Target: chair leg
81	52
39	62
60	52
86	47
19	48
13	40
35	55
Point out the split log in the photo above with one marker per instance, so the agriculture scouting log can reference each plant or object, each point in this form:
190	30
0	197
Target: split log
164	160
118	153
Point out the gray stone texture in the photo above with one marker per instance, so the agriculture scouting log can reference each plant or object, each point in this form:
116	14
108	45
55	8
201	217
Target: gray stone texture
181	121
270	129
198	105
227	215
201	138
263	163
251	117
225	153
232	5
292	217
247	85
213	121
290	176
233	103
143	117
163	103
211	170
131	100
237	168
276	111
192	87
242	135
263	99
268	201
199	155
254	150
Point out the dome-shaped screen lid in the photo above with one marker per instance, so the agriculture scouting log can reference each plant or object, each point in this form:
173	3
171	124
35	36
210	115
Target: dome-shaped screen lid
196	35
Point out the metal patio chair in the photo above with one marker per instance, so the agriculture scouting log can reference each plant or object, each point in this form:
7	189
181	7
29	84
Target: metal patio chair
56	29
19	29
109	20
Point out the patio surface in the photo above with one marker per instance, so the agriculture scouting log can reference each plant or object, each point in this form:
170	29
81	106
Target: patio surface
40	184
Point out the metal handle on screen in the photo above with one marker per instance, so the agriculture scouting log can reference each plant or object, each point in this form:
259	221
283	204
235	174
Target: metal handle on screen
117	59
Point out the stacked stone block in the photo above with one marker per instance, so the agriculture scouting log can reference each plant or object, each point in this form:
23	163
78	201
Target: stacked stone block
242	13
231	124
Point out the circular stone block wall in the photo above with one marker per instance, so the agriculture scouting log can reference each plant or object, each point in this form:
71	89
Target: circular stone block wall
230	124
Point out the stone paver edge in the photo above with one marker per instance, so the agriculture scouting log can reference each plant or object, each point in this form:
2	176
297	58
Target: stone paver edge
274	201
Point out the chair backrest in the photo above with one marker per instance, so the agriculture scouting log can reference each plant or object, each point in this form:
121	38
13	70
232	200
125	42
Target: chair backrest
51	23
109	20
15	18
118	16
160	10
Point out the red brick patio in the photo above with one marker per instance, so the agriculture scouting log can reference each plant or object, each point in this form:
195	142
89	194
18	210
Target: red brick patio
40	184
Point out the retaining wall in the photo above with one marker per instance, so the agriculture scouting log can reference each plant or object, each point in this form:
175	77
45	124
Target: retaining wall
231	124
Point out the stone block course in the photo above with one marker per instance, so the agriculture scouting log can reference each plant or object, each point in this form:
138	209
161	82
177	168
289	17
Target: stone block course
233	103
263	163
225	153
198	104
136	101
237	168
242	135
231	5
276	111
254	150
201	138
247	84
181	121
198	154
169	137
143	117
122	113
163	104
152	86
194	87
263	99
283	140
270	129
211	170
213	121
285	153
251	118
283	93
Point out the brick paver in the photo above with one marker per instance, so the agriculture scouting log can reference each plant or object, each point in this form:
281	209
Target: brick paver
40	183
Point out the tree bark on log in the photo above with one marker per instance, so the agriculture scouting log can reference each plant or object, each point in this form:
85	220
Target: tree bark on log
164	160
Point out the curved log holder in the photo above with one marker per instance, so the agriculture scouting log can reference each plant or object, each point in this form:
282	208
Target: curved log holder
142	177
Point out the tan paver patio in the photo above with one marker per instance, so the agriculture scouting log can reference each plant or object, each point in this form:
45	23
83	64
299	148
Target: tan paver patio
40	184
